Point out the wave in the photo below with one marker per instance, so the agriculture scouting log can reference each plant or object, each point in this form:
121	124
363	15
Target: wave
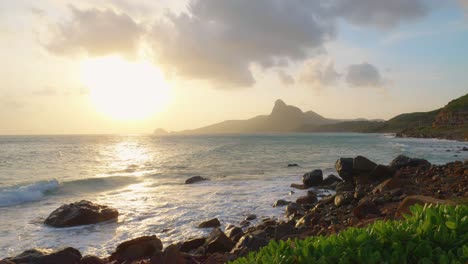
27	193
37	191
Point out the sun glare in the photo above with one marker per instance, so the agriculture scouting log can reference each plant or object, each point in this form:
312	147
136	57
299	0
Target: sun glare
123	89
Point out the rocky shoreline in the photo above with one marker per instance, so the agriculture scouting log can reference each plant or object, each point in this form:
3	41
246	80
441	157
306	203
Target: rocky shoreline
363	193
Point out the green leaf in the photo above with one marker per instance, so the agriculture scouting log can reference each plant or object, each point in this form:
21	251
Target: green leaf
451	225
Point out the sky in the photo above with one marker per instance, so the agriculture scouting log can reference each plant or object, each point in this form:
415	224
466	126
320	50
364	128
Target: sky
127	66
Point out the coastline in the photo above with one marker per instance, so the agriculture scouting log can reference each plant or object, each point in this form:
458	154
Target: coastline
369	192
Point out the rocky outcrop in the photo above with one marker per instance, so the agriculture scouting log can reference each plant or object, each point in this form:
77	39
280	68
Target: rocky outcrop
138	248
313	178
45	256
210	223
80	213
217	241
195	179
451	118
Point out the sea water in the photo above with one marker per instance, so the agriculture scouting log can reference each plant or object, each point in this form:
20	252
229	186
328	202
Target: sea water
143	177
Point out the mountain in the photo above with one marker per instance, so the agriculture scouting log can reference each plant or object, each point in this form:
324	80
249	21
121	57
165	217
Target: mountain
283	118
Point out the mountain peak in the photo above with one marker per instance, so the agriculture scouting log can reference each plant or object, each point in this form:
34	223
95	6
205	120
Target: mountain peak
279	102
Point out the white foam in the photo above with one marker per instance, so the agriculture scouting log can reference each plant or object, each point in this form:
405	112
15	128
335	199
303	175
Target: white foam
26	193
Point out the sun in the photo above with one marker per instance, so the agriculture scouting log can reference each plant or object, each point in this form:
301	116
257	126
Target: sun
125	90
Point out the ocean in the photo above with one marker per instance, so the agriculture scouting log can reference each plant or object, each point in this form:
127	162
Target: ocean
143	177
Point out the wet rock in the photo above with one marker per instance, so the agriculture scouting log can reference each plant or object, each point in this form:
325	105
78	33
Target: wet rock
381	172
39	256
80	213
244	223
313	178
331	179
404	207
293	165
363	164
92	260
344	167
210	223
171	255
306	200
217	241
195	179
234	233
280	203
192	244
307	220
250	217
138	248
464	149
344	187
249	243
404	161
299	186
6	261
292	209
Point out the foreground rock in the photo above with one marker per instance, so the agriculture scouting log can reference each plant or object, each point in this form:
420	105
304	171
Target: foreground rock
80	213
313	178
210	223
195	179
138	248
44	256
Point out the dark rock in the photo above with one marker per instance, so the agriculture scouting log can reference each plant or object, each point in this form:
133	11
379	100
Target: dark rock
244	223
45	256
217	241
249	243
306	199
299	186
292	208
344	167
343	199
280	203
307	220
192	244
6	261
344	187
138	248
171	255
92	260
388	184
313	178
234	233
365	208
331	179
80	213
250	217
404	161
464	149
381	172
363	164
195	179
293	165
210	223
283	229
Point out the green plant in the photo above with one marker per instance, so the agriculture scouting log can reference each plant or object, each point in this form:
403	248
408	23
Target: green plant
432	234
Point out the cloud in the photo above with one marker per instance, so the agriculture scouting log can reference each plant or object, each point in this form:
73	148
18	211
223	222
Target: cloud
379	13
285	78
319	73
97	33
364	75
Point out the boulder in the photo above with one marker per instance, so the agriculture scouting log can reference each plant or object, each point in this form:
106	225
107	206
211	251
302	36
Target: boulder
138	248
344	167
39	256
313	178
192	244
195	179
210	223
92	260
170	255
343	199
344	187
309	199
293	165
404	161
307	220
234	233
381	172
292	208
280	203
331	179
249	243
404	207
363	164
80	213
217	242
250	217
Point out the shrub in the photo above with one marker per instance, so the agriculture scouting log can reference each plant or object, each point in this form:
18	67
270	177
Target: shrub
432	234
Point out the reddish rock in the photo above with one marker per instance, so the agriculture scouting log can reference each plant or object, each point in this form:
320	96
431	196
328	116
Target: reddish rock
138	248
171	255
404	207
306	200
192	244
210	223
217	241
92	260
388	184
365	208
67	255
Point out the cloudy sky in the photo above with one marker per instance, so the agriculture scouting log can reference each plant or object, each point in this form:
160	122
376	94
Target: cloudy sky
127	66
